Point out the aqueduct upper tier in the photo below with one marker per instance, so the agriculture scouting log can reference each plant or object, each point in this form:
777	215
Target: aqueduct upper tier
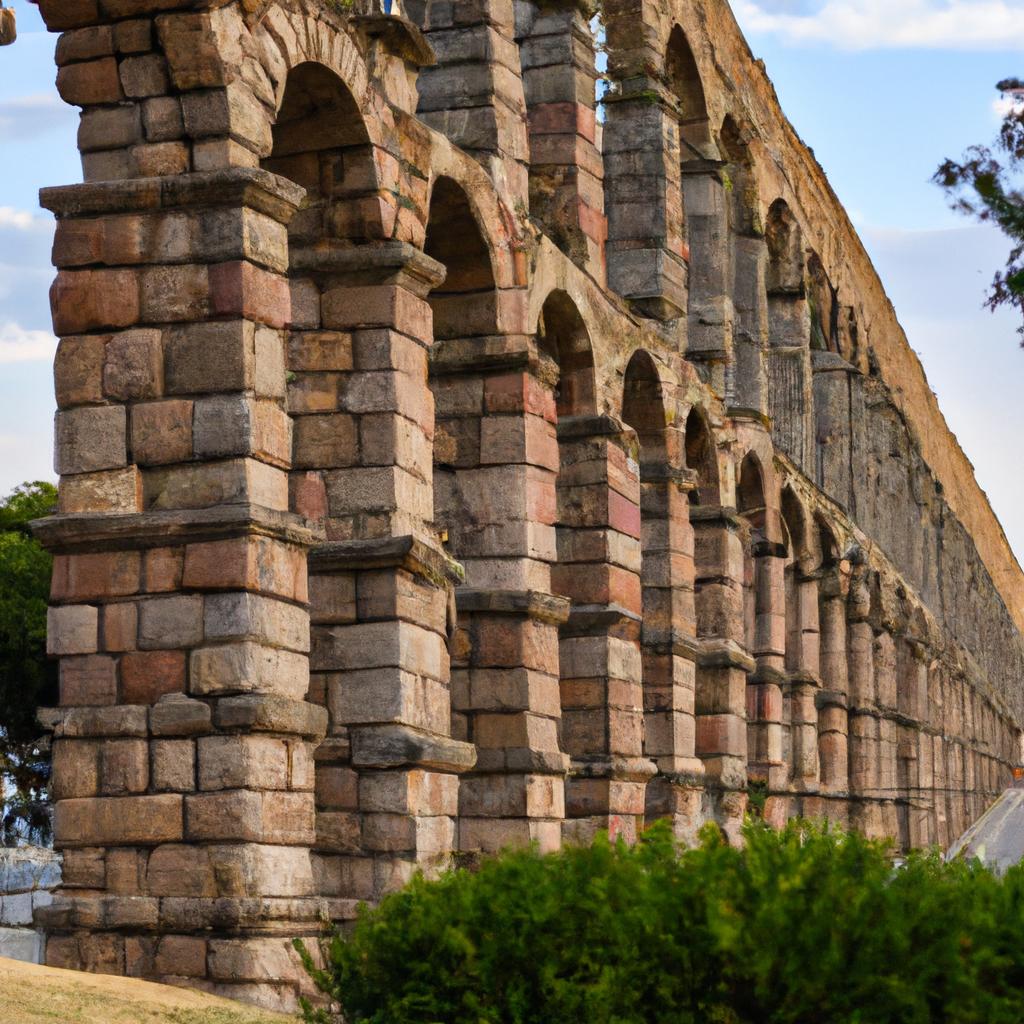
449	461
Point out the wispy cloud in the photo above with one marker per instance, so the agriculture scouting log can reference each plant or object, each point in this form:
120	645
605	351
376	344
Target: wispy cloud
23	220
29	117
889	24
20	345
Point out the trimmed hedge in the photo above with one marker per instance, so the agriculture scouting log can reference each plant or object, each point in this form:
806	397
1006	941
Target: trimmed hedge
806	925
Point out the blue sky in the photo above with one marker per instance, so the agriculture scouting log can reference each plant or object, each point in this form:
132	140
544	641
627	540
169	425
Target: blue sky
882	90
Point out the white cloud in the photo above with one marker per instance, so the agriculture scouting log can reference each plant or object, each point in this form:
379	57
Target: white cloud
28	117
23	220
19	345
891	24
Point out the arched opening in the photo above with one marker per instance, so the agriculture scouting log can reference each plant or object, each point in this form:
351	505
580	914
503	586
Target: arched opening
561	53
495	467
750	499
913	657
796	542
563	338
684	80
828	546
643	407
823	307
701	459
320	141
721	660
743	196
567	360
835	394
750	504
598	540
785	251
464	304
362	429
656	122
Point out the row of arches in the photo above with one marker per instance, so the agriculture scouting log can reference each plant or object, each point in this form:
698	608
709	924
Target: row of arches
766	327
692	233
677	635
554	586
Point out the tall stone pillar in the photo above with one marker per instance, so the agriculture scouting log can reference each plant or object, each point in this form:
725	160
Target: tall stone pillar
766	754
557	52
914	810
834	390
886	684
833	698
803	663
934	763
496	463
474	94
928	829
746	384
669	649
601	665
789	373
183	769
711	315
723	663
865	813
388	775
647	254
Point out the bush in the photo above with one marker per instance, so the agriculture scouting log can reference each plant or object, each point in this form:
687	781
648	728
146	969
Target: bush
808	925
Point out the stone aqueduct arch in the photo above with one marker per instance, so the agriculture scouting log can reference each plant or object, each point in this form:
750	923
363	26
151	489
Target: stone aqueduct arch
388	532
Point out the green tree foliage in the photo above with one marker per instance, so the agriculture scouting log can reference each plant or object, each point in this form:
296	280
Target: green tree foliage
804	925
986	183
27	678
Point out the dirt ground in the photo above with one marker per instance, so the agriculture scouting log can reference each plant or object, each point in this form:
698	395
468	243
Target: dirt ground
44	995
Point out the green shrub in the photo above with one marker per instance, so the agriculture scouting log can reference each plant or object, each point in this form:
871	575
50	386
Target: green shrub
808	925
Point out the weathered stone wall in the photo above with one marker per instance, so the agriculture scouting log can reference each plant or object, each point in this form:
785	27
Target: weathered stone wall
28	876
445	466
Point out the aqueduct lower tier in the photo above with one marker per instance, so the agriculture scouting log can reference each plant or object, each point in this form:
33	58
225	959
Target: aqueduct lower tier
444	466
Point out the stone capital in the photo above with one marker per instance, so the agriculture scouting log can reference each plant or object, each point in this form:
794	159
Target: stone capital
386	263
601	620
724	654
68	534
529	604
248	187
497	353
410	553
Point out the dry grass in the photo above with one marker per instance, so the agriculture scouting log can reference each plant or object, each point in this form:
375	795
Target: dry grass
43	995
